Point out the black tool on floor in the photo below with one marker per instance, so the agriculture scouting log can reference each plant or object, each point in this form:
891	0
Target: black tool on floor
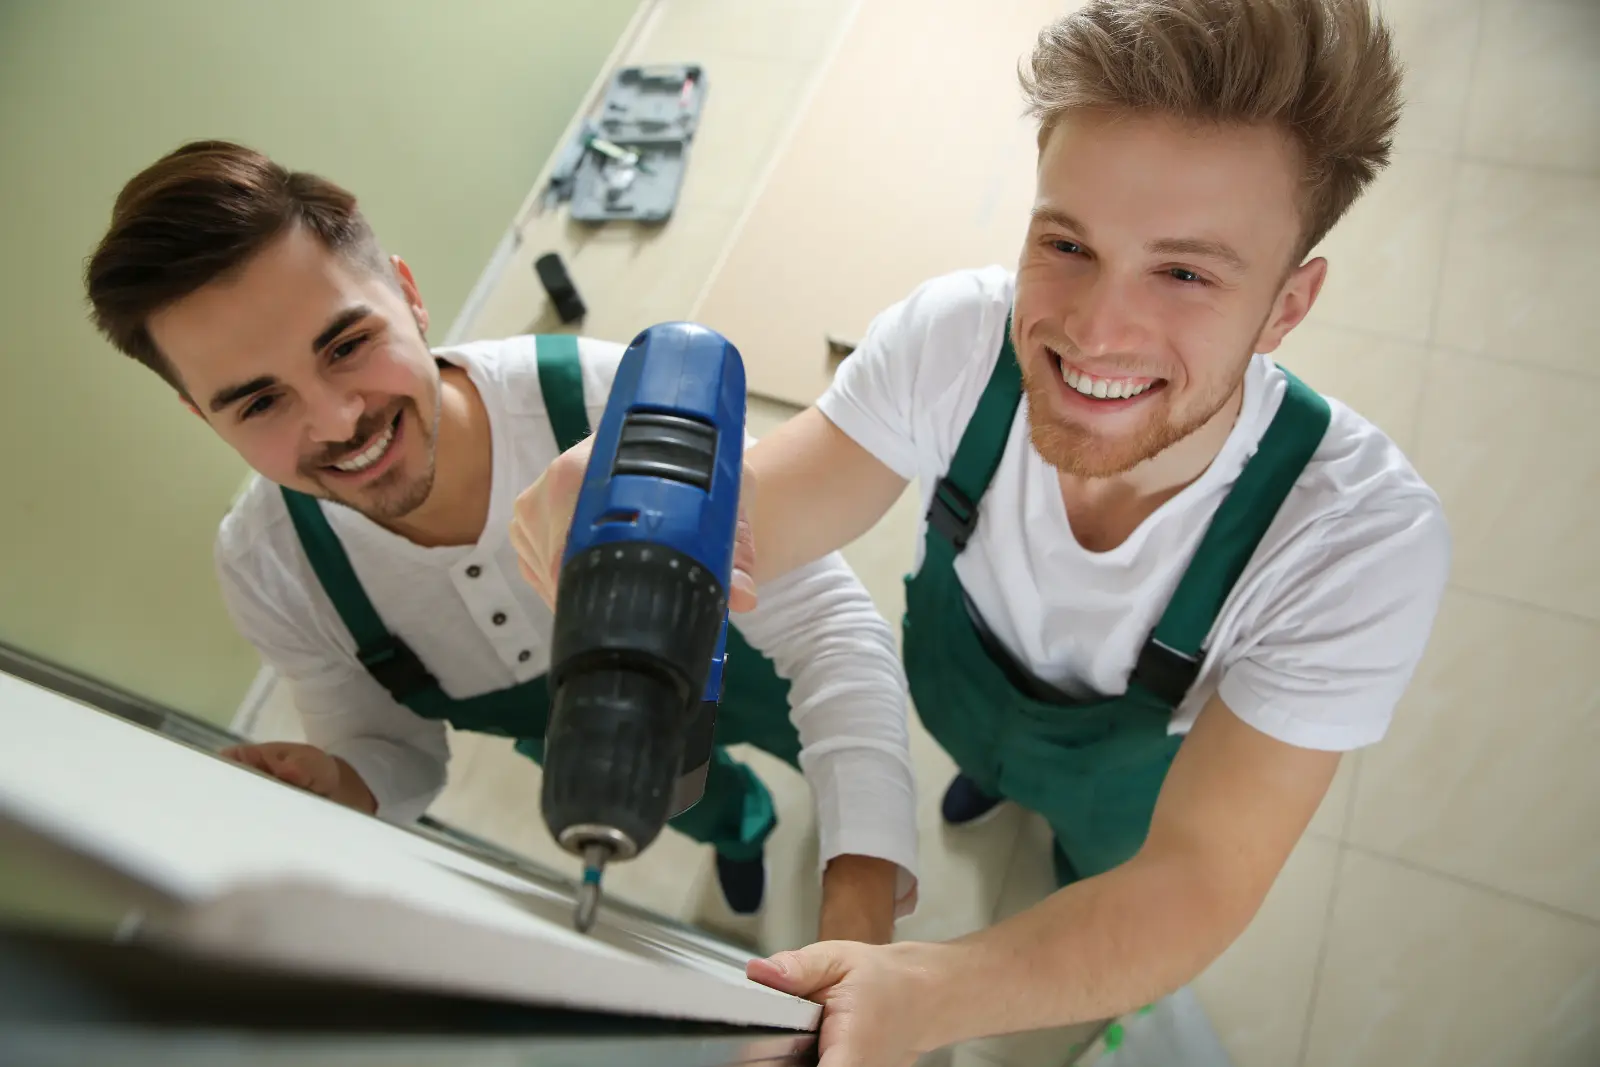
559	285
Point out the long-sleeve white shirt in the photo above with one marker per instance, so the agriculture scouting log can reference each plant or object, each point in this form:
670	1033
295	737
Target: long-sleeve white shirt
478	626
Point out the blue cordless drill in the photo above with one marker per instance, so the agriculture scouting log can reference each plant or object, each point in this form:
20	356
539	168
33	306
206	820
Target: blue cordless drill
641	615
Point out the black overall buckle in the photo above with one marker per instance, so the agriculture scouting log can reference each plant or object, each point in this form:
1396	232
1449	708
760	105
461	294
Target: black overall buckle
1164	673
952	513
397	668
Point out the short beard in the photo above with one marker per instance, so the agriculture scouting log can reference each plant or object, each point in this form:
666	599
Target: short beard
1080	453
388	500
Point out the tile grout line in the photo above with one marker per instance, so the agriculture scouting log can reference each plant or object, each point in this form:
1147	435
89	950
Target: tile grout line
1506	599
1581	173
1468	883
1350	801
1452	213
1368	333
1451	217
1323	944
823	64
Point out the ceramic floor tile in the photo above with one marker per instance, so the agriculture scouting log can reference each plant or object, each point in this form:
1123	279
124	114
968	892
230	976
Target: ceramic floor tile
1030	875
1514	453
1436	40
1384	256
960	1056
749	105
1333	815
1536	86
1487	773
1379	377
963	868
1424	971
1258	993
1029	879
630	276
684	30
788	917
1517	266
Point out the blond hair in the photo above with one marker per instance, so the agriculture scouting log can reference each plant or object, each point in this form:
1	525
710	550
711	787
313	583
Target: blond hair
1323	71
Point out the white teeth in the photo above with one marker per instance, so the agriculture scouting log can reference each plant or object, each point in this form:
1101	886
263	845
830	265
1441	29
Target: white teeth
1101	388
369	455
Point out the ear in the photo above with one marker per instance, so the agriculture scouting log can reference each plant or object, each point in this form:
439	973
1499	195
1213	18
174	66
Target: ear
186	402
408	286
1294	303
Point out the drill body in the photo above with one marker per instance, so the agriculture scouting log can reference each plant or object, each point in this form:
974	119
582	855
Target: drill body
641	614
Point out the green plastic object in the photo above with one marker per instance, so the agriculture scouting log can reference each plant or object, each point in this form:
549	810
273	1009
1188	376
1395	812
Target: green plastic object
1147	1009
1114	1035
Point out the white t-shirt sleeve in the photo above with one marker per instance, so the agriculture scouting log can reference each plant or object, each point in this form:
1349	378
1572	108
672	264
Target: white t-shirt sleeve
600	361
914	360
1340	638
847	699
401	756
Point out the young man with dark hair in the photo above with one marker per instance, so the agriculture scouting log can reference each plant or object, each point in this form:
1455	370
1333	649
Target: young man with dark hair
376	532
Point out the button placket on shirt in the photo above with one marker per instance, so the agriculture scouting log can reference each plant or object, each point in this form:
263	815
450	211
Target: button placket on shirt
478	589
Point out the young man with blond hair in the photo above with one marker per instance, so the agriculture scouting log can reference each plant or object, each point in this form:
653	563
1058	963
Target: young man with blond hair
1162	585
369	561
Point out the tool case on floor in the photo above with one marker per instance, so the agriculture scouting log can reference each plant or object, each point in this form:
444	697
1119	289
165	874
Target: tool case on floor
651	113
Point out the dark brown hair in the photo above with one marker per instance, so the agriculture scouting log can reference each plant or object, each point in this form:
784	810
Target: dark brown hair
196	215
1323	71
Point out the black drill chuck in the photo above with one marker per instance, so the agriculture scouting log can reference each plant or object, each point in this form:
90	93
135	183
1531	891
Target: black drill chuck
636	628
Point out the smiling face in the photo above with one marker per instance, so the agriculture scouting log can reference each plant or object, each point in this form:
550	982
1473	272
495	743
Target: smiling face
315	369
1159	257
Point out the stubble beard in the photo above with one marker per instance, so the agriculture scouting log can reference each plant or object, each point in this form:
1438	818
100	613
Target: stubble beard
1077	451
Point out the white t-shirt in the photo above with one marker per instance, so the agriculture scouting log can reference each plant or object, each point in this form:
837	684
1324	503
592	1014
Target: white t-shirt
1319	637
469	615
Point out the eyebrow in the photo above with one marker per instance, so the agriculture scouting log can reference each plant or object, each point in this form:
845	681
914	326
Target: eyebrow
223	398
1166	246
341	322
1195	246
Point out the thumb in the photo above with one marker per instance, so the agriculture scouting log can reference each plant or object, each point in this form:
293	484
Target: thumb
802	973
743	597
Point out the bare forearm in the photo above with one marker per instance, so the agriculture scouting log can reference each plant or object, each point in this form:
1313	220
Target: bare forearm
817	491
1096	949
352	791
858	898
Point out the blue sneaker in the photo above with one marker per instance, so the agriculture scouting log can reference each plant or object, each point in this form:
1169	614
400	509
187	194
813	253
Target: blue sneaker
744	883
965	803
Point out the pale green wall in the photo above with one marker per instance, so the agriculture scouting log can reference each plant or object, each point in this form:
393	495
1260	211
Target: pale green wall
437	113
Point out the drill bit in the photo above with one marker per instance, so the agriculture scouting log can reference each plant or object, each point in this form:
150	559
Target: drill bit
594	861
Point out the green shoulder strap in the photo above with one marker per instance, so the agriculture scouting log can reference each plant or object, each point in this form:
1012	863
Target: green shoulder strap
561	382
1239	524
386	657
953	511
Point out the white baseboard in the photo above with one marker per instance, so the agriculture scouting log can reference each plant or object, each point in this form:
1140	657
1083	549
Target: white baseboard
255	698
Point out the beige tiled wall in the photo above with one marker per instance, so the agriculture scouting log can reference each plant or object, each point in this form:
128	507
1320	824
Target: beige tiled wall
1444	908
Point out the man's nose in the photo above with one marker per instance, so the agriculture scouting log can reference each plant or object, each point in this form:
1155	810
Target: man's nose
334	414
1108	321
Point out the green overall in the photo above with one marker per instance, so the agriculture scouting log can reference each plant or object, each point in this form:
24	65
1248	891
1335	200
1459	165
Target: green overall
1092	768
735	814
